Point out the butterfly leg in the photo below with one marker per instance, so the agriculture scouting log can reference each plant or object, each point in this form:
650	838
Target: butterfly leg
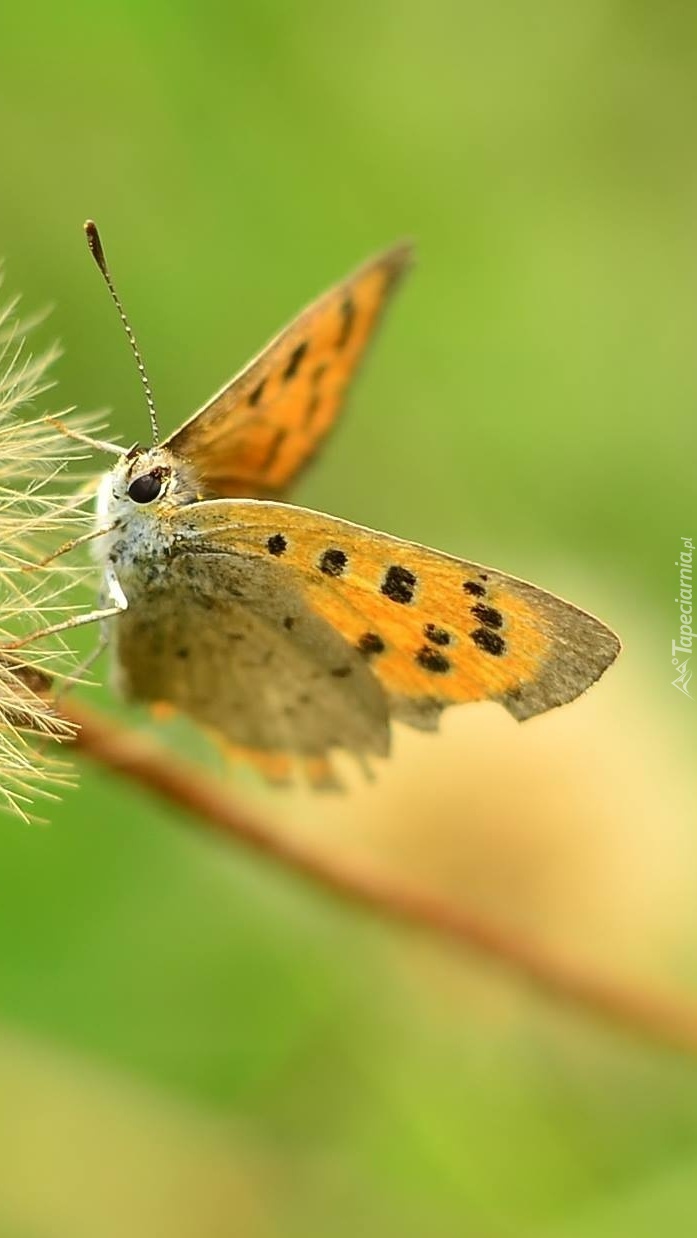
114	591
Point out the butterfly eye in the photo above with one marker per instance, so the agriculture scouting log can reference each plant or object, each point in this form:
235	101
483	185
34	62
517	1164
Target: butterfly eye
146	487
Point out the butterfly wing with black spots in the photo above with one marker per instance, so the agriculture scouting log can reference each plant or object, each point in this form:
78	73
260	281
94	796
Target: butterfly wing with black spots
307	633
255	435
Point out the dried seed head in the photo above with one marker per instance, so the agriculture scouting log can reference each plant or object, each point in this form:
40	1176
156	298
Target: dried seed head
39	509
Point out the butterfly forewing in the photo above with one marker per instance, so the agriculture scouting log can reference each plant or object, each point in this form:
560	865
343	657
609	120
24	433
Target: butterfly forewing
256	434
435	630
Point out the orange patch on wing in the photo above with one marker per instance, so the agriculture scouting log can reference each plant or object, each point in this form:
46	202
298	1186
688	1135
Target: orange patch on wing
435	630
162	711
453	667
431	626
320	773
439	639
256	434
280	768
275	767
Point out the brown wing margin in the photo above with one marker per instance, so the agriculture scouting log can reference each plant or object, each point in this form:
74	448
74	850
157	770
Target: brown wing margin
257	433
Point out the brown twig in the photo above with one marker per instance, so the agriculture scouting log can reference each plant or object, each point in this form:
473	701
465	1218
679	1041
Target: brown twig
668	1020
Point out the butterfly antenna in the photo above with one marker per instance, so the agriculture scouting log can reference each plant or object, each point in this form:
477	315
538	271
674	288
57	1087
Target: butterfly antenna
97	250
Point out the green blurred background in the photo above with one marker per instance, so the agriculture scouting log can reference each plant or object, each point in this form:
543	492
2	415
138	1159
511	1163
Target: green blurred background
191	1044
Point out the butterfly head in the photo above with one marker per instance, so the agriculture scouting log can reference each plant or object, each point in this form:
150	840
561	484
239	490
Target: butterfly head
137	499
149	478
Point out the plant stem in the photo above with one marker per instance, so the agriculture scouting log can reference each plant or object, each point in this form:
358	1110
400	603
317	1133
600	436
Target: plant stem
669	1020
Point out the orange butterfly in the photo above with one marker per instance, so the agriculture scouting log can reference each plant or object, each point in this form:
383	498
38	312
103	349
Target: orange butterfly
292	633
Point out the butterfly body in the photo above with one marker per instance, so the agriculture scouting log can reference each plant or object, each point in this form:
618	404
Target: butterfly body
291	633
225	637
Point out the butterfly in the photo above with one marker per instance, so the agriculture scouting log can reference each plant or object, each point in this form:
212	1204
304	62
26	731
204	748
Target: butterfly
290	633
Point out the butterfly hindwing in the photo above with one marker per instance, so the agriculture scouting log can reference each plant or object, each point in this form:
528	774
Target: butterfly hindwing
435	630
214	635
255	435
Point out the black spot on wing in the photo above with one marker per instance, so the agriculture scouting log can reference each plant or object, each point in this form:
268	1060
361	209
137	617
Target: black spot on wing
488	616
254	396
341	672
315	394
474	588
433	661
289	623
294	361
489	641
399	584
277	544
438	636
348	318
333	561
370	643
312	405
274	447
